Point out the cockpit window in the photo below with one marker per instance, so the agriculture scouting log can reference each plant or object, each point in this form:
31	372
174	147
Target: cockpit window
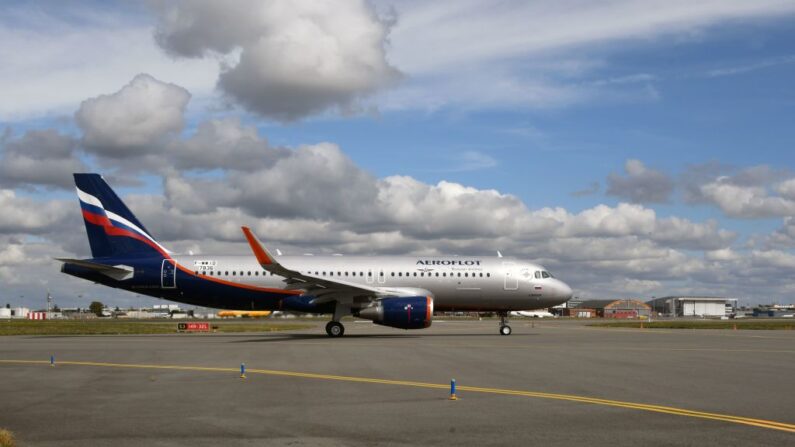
538	275
545	274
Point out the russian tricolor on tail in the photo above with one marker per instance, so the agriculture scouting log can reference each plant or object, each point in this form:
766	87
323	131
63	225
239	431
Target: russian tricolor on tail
113	230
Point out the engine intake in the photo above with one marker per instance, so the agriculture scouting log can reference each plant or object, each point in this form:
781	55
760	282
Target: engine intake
414	312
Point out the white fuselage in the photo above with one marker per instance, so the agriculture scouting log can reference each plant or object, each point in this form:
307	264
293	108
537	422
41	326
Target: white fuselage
455	282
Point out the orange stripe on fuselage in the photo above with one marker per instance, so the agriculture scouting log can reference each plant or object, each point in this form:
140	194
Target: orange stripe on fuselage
237	284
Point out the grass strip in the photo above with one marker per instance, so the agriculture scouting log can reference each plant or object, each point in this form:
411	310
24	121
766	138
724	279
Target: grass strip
703	324
7	438
128	327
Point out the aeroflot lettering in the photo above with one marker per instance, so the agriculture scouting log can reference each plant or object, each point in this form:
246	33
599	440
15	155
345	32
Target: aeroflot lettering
448	262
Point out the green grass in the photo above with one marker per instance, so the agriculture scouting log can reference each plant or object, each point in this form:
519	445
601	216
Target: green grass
114	327
6	438
743	324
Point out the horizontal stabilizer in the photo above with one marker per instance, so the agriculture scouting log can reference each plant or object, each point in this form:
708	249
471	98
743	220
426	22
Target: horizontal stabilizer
117	272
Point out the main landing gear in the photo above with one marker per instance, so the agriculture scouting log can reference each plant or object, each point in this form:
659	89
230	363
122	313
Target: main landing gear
504	328
335	329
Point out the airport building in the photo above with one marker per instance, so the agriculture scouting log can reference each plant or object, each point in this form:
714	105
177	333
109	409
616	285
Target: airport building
14	312
626	308
694	306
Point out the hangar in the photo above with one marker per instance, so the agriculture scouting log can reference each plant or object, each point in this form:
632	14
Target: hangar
694	306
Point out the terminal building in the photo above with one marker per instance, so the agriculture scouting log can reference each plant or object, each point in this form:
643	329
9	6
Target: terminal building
694	306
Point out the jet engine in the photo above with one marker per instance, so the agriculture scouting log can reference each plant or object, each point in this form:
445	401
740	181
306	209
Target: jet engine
414	312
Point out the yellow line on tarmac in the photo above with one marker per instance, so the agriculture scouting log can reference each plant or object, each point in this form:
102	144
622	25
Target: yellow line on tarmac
762	423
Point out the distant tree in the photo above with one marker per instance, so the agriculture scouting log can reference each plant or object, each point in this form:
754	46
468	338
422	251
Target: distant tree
55	308
96	308
8	305
117	308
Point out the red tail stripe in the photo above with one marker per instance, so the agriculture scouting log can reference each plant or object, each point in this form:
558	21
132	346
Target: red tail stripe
106	225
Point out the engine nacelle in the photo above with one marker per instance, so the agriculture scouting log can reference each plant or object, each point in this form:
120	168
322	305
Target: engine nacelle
414	312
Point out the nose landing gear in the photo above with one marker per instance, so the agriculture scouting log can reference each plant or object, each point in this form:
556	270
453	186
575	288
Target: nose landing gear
504	328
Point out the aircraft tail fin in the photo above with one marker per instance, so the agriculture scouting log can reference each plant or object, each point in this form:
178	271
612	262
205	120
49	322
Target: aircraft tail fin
113	230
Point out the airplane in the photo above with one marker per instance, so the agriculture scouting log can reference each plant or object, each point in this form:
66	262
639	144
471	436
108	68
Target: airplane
395	291
244	313
542	313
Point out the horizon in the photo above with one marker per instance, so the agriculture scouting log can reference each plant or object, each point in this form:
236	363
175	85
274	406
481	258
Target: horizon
633	150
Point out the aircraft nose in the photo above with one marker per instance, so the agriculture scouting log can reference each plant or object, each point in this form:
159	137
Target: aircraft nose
564	291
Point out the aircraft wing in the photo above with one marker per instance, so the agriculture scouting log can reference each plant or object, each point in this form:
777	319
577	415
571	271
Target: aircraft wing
324	290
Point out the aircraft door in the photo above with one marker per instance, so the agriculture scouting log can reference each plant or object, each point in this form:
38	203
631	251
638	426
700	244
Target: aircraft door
370	277
381	277
511	277
168	274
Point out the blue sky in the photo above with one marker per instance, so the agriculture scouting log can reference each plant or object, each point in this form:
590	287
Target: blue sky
547	105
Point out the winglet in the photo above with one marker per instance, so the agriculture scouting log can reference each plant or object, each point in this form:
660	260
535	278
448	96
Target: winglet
261	253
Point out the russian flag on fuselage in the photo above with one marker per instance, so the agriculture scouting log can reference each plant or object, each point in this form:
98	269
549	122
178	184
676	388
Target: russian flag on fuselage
113	230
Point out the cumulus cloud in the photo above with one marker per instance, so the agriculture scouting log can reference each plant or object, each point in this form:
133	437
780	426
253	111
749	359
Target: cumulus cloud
640	184
225	144
787	189
295	58
39	158
23	215
134	119
746	201
744	193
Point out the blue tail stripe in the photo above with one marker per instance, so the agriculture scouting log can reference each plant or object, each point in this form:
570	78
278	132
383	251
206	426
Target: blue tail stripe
104	235
96	186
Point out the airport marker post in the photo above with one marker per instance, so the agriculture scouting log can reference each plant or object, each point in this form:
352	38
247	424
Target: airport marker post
242	370
452	390
52	360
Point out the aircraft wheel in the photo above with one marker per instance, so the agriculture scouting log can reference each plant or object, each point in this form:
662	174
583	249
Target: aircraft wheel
335	329
505	330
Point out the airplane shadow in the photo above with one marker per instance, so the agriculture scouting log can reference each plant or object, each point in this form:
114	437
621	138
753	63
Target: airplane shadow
285	338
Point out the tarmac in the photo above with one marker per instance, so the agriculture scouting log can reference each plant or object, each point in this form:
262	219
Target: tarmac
551	382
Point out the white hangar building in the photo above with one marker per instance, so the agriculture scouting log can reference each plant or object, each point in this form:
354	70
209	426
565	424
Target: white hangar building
694	306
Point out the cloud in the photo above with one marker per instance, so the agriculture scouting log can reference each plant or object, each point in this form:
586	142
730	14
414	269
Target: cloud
23	215
448	64
682	233
743	193
746	201
39	158
787	189
749	67
295	58
55	57
225	143
641	184
593	188
132	120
